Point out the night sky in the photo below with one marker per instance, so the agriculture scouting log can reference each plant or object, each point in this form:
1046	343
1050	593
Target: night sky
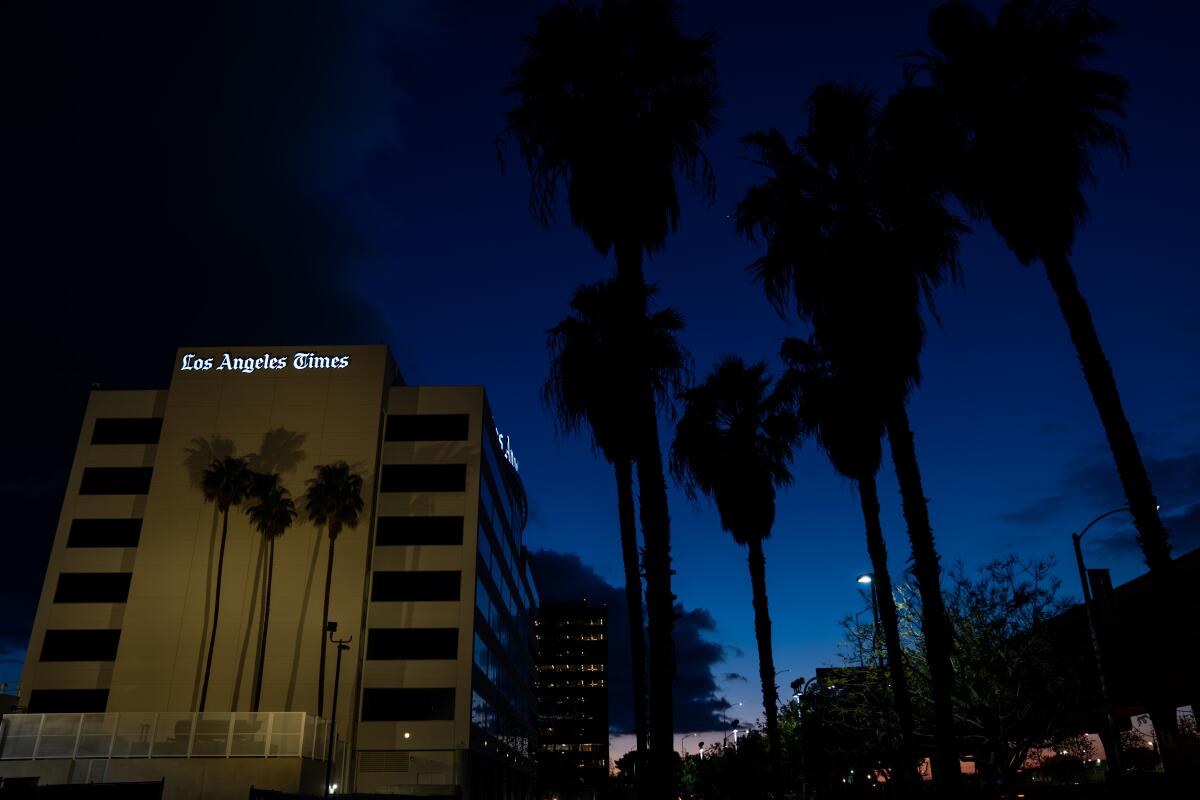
323	173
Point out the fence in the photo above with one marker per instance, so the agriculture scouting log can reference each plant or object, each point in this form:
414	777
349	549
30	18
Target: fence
270	734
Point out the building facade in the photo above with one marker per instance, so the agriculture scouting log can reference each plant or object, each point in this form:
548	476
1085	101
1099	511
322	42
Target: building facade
572	693
432	586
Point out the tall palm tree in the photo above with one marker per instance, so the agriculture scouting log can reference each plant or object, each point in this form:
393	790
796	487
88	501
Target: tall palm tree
226	482
593	352
613	103
838	408
734	443
333	499
1028	112
271	515
858	239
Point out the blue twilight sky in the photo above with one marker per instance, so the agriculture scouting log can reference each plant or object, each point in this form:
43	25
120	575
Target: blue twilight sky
318	172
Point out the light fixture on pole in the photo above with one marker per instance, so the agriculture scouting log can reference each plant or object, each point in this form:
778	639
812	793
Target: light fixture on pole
868	579
331	729
1114	757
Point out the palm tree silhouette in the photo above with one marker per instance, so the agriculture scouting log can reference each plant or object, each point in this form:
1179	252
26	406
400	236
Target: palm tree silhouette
839	409
613	102
333	499
858	237
734	443
271	515
592	354
1027	111
226	482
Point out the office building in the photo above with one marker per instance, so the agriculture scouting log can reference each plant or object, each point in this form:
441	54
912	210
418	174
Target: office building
572	694
432	587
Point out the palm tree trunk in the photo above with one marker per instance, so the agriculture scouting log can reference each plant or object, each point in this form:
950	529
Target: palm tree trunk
324	626
266	619
627	520
905	772
766	659
656	532
212	637
1143	505
934	623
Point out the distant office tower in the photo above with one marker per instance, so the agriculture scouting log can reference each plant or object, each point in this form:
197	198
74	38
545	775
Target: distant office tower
572	694
435	696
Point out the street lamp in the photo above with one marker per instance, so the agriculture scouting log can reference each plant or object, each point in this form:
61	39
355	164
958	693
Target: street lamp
331	730
868	579
1114	766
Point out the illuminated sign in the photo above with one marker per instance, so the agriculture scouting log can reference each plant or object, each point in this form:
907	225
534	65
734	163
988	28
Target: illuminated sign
506	448
248	364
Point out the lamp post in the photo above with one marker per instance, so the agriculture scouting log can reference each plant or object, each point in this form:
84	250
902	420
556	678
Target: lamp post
1114	737
331	731
868	579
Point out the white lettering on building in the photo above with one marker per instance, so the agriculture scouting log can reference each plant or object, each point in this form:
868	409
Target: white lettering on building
506	449
248	364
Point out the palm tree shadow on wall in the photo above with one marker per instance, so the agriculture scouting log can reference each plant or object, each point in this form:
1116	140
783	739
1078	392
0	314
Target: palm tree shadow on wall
279	452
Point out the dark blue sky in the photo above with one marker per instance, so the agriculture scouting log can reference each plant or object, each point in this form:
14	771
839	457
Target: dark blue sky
295	174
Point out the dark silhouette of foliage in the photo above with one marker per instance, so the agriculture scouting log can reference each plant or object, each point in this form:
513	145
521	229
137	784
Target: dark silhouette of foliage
333	499
838	408
858	237
226	482
593	354
734	444
613	102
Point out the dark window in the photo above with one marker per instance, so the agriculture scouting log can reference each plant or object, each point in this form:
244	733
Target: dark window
412	643
127	430
104	533
115	480
386	705
67	701
92	587
422	585
419	530
80	645
427	427
424	478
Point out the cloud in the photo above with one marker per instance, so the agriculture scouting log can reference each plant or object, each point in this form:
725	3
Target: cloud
736	676
1094	482
697	704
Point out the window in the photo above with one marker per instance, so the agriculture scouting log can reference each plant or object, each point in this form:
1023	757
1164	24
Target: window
67	701
104	533
80	645
127	430
427	427
418	585
418	530
92	587
385	705
424	478
412	643
115	480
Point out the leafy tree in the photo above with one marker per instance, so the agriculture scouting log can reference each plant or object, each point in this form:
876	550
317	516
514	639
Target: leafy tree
613	103
333	499
837	407
1028	111
592	352
858	237
734	444
271	515
226	482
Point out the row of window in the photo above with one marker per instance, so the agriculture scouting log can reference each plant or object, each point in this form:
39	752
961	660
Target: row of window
92	587
412	644
427	428
378	705
127	430
574	747
571	668
116	480
416	585
395	478
104	533
81	645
